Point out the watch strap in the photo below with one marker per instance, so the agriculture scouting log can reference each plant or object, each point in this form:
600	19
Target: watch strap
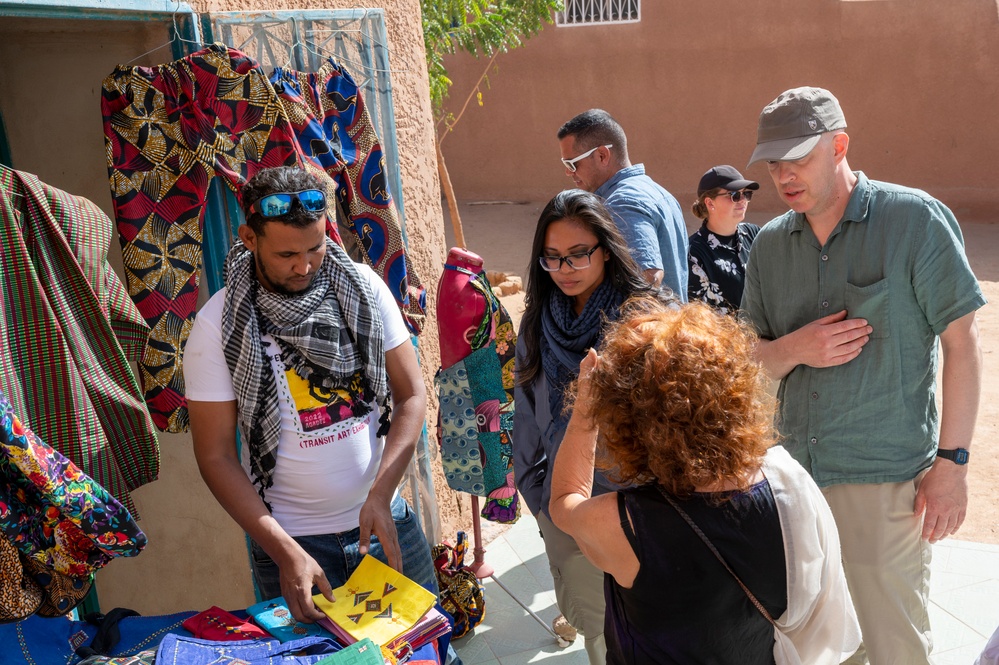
957	455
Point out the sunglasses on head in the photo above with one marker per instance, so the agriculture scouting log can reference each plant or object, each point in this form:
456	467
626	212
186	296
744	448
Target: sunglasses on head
571	163
279	203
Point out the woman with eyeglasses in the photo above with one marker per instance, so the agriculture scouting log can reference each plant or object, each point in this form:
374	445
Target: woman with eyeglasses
580	273
720	248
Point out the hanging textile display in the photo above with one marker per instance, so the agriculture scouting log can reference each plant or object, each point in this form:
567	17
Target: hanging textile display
69	330
169	130
335	131
52	511
475	387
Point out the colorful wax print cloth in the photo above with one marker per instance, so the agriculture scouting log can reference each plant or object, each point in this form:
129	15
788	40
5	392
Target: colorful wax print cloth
53	512
377	602
476	392
68	331
335	132
169	130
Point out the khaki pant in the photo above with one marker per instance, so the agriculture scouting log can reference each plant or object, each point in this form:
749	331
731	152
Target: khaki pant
579	588
887	566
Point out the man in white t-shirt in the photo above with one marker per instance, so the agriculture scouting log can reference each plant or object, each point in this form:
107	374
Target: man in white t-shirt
300	352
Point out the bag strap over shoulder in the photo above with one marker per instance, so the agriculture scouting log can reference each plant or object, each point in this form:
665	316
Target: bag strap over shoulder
700	534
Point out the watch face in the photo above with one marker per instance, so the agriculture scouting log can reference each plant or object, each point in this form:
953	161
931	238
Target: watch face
962	456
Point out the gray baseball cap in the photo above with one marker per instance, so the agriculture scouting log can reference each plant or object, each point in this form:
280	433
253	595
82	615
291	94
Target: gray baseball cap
791	125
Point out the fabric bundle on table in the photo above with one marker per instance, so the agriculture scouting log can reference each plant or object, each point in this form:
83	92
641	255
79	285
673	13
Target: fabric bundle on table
69	331
169	130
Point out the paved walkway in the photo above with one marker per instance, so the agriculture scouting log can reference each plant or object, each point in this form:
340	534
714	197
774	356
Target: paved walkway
964	608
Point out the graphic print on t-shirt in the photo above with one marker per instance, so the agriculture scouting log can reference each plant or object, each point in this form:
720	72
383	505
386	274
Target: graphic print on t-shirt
318	409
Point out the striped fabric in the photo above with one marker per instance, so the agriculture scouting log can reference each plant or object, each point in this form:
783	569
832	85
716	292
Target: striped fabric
68	330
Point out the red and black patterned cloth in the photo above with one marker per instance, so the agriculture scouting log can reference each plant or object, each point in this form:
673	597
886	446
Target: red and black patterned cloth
69	330
169	130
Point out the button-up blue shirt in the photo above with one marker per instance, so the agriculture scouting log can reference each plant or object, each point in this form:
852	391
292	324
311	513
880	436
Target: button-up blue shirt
651	222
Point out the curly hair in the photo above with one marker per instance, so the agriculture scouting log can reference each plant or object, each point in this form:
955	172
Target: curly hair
681	400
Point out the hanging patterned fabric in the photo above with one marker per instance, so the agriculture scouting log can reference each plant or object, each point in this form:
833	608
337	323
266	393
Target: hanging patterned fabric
52	511
335	132
169	130
68	331
475	387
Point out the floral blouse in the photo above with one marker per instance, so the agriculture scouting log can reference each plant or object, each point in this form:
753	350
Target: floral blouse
718	266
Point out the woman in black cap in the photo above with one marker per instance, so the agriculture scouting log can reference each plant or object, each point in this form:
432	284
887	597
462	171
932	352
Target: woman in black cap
720	248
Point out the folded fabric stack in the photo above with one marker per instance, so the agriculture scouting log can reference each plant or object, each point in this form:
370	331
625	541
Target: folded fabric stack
382	604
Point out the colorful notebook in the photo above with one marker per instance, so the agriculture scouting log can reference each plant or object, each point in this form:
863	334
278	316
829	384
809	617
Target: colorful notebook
376	602
275	617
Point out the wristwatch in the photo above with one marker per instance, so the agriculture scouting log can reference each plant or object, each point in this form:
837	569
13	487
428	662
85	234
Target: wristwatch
957	456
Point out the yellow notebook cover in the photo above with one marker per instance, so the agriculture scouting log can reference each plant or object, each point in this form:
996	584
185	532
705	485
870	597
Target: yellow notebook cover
377	602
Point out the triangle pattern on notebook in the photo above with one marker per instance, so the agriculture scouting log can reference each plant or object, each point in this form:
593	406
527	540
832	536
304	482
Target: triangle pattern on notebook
362	607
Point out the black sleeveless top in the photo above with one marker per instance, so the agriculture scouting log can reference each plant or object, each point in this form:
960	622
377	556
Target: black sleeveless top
684	607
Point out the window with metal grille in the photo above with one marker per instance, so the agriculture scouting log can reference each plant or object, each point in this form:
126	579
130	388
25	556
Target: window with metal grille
592	12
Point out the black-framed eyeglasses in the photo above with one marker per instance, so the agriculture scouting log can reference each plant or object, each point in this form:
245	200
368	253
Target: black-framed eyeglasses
574	261
738	195
279	203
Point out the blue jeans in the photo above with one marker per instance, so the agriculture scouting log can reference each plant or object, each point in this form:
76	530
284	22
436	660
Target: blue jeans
339	554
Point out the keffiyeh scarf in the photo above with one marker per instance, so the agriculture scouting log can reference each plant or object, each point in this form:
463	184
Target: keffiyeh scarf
328	335
566	338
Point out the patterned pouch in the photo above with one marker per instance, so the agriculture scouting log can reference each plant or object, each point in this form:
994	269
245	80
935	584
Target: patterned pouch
60	593
220	626
20	596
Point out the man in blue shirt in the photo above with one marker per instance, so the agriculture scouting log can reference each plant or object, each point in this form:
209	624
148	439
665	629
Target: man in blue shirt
595	155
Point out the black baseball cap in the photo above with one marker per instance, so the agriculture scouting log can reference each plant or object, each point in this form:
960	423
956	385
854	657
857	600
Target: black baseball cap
726	177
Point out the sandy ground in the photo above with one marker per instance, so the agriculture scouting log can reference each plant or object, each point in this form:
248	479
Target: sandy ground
502	234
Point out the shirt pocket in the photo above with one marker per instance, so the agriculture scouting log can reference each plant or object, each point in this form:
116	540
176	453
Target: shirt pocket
871	303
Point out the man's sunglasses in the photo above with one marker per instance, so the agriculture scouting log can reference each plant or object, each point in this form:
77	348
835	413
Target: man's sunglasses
571	163
279	203
739	195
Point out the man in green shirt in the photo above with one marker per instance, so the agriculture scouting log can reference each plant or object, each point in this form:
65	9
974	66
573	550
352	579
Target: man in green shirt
850	291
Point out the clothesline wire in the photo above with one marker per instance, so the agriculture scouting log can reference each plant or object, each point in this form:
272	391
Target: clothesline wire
175	37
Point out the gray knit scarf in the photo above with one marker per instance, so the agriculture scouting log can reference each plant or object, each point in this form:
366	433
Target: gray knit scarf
327	335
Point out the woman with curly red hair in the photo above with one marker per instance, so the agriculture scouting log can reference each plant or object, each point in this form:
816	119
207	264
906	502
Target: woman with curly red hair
721	549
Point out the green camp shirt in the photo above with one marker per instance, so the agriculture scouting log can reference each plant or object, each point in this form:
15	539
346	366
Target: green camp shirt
896	259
